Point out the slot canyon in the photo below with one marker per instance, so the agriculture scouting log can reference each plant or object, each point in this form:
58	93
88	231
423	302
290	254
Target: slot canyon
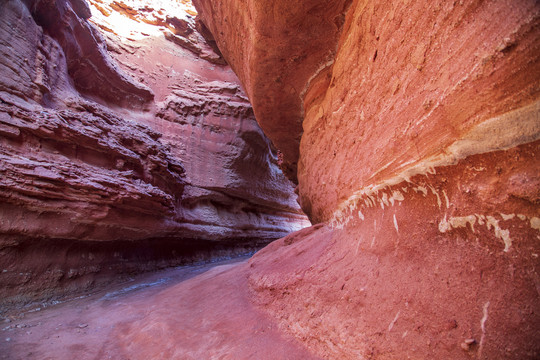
226	179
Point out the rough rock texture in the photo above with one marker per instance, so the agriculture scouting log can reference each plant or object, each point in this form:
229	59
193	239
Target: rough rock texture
419	125
111	166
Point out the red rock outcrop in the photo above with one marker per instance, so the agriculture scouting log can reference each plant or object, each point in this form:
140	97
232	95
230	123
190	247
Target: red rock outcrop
115	165
419	129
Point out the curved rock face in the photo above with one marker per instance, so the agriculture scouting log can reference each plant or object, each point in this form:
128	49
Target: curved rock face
433	101
277	49
114	165
419	144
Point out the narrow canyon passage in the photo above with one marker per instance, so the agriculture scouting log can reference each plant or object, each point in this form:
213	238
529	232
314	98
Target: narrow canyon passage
127	145
378	160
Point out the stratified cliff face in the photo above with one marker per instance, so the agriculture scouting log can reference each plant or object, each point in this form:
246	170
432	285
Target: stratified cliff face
420	134
122	151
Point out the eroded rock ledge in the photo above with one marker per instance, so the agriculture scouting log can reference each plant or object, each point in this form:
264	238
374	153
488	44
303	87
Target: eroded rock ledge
121	151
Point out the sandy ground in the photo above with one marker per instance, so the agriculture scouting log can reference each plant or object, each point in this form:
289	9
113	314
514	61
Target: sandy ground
195	312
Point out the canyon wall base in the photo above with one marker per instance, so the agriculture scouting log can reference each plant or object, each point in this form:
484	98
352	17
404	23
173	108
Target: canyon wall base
440	266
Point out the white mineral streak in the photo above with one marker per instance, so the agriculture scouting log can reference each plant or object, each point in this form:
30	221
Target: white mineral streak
506	131
490	222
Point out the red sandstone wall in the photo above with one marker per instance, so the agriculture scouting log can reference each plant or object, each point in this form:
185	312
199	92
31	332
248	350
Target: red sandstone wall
423	86
418	153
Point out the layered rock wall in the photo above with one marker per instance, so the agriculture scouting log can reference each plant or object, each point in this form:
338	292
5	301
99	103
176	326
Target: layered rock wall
418	156
121	151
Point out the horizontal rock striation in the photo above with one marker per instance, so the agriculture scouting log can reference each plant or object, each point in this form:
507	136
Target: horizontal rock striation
123	152
84	174
418	127
225	145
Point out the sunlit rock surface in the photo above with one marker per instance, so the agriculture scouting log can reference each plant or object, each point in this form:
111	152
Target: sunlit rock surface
122	151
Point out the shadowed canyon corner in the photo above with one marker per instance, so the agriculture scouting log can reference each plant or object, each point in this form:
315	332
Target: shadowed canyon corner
148	149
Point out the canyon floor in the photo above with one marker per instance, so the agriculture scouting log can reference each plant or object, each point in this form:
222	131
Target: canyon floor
204	311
